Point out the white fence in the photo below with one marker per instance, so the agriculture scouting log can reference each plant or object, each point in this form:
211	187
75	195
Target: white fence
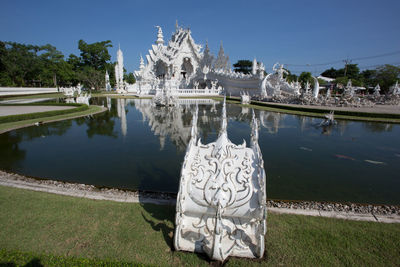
26	90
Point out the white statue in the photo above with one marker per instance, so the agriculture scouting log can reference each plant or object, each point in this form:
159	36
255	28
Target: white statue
108	85
316	88
245	98
349	89
377	90
395	89
329	119
214	84
206	70
308	87
221	204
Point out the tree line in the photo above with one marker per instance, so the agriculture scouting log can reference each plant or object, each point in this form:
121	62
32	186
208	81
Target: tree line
385	75
26	65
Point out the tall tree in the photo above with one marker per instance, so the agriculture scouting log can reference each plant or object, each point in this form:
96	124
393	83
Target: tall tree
306	77
330	73
96	54
386	76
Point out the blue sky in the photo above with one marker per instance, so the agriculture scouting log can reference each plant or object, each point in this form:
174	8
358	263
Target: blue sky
292	32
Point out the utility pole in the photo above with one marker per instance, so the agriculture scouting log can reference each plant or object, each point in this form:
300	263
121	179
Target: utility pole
346	62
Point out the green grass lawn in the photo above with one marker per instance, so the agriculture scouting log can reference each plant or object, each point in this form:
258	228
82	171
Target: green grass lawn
56	230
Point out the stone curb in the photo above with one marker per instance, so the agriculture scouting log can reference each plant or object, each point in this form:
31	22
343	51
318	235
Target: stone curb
91	192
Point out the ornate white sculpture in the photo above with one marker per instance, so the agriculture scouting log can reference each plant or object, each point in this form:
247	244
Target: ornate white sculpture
377	90
83	98
119	73
395	89
245	98
316	88
349	89
108	85
329	119
221	204
307	88
206	70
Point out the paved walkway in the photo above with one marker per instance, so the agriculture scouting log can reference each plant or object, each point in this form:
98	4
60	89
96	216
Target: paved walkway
17	110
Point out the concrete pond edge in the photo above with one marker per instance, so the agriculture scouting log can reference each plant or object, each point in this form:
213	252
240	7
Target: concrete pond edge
348	211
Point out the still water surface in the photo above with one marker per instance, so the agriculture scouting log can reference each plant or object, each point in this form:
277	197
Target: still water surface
137	146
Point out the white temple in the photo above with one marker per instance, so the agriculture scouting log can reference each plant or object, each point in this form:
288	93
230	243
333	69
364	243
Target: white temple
184	68
180	66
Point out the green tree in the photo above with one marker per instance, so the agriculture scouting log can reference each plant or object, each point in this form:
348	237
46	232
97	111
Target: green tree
130	78
244	66
95	55
20	63
306	77
289	76
91	78
368	78
386	76
330	73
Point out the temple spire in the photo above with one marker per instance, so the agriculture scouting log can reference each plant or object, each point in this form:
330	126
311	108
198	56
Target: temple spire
254	68
141	66
160	37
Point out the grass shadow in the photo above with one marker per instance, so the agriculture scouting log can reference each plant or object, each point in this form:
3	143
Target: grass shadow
161	218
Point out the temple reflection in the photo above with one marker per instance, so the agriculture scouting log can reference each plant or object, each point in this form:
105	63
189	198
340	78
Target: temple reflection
173	122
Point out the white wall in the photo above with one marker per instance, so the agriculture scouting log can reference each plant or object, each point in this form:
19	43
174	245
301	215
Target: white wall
26	90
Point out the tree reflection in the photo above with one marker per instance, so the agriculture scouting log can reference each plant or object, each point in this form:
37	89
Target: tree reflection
11	154
378	127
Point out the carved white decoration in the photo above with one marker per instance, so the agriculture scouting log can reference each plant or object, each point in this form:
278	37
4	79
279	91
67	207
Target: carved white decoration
377	90
83	98
108	85
349	89
395	89
316	88
221	204
119	72
245	99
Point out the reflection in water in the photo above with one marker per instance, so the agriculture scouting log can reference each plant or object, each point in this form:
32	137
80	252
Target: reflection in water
121	103
173	122
296	154
271	121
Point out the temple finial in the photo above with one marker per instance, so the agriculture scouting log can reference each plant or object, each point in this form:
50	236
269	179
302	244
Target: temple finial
160	37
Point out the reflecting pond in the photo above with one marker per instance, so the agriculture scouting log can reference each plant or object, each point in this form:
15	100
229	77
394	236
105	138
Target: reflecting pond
137	146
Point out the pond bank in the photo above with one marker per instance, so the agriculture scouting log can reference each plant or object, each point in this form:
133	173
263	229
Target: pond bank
349	211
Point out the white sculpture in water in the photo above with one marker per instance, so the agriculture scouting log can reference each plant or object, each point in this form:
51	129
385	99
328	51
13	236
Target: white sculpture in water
221	204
